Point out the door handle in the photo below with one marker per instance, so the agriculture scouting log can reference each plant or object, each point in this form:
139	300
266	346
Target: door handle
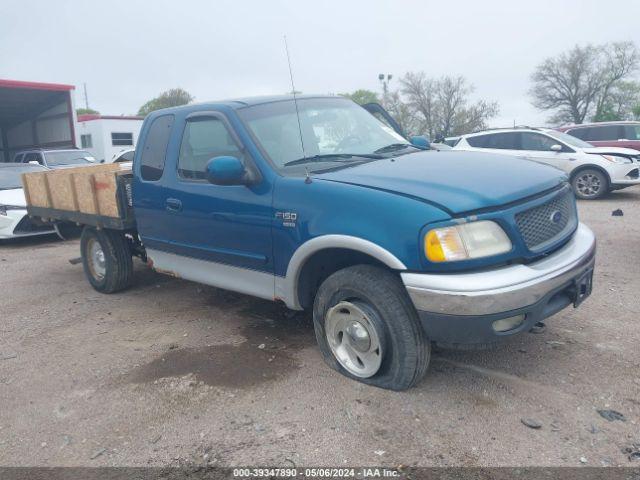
173	205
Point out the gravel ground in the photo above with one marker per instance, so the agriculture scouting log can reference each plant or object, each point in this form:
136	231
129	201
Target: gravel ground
171	372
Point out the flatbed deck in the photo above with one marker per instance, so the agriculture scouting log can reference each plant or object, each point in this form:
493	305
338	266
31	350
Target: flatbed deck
96	195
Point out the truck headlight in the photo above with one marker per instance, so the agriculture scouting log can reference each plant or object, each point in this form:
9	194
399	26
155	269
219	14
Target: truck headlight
466	241
616	159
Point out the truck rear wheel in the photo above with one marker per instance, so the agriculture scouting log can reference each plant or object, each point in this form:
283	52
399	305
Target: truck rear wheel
368	329
106	259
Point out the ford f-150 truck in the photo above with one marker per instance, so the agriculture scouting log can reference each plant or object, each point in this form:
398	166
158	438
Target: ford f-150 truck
318	204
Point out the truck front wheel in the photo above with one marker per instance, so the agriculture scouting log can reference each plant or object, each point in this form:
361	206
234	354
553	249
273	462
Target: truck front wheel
368	329
106	259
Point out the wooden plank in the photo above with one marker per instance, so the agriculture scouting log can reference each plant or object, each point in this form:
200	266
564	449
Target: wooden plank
61	191
47	190
84	189
25	188
105	191
94	197
74	193
36	186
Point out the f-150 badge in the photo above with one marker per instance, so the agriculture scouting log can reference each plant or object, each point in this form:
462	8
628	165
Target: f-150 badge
288	218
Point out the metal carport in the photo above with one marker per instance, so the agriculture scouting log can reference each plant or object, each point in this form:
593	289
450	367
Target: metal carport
35	115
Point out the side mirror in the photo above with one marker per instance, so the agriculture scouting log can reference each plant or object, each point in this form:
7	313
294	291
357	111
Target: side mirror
420	141
226	170
556	148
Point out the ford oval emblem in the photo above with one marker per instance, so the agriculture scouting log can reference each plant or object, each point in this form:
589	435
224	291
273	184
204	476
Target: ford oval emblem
555	217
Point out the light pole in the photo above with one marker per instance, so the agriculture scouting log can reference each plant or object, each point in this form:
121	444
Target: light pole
385	79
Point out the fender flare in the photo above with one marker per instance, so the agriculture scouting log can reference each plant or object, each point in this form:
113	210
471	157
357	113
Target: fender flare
286	288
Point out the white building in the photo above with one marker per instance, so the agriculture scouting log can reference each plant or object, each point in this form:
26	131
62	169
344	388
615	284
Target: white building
105	136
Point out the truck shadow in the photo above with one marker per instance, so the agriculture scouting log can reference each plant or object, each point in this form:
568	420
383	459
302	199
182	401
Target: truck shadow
273	334
35	242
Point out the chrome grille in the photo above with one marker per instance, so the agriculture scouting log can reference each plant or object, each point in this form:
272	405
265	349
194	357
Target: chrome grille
541	225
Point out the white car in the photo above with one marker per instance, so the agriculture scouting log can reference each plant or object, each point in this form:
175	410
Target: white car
593	171
124	156
14	221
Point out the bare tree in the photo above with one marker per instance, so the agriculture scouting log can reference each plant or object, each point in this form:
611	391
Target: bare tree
620	60
441	107
580	82
401	112
420	92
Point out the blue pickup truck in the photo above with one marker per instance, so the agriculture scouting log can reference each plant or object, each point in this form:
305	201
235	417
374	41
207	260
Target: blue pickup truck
318	204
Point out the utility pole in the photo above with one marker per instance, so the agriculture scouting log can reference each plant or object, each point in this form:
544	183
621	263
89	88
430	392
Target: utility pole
86	97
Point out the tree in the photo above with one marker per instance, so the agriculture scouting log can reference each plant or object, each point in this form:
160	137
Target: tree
171	98
420	92
85	111
582	81
442	107
401	112
362	96
620	104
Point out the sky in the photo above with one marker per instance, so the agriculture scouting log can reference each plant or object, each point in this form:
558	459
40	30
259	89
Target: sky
128	52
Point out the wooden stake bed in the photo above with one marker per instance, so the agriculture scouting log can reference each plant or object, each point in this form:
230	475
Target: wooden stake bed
98	195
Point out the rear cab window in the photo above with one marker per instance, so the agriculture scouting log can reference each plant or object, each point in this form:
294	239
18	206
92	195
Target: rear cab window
154	150
33	157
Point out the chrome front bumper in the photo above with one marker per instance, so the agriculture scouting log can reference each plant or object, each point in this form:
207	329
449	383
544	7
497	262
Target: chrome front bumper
502	289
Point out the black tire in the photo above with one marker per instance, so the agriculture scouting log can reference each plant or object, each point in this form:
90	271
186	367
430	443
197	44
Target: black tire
116	265
405	349
590	184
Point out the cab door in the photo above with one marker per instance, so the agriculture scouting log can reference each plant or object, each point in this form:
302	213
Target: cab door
222	233
541	148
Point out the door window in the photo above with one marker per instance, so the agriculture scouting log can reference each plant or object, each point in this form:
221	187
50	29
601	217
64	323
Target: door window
202	140
154	150
631	132
502	141
581	133
537	142
603	133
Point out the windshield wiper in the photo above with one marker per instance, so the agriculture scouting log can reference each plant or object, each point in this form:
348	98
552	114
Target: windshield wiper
393	147
329	156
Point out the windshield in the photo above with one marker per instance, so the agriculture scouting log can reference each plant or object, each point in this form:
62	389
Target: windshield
333	130
69	157
570	140
10	177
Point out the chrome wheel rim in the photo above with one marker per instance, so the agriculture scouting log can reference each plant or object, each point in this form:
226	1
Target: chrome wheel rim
96	259
589	184
353	339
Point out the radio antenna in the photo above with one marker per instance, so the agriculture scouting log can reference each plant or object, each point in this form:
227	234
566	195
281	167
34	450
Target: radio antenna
295	100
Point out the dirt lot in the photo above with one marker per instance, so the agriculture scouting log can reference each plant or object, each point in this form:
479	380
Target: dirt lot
171	372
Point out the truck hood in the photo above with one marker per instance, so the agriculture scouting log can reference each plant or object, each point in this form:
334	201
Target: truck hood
455	181
13	196
627	152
